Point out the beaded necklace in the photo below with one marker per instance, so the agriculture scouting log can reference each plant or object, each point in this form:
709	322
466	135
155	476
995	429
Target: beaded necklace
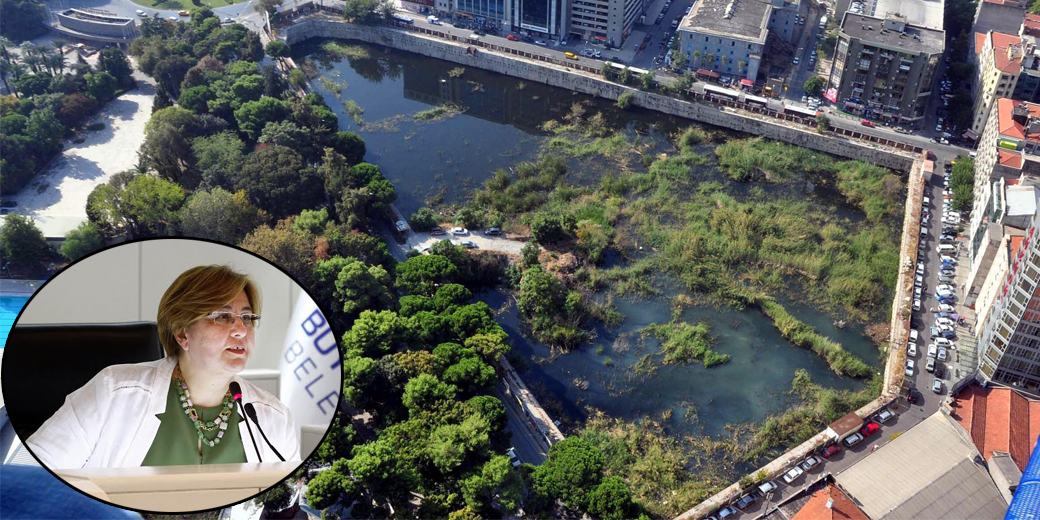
220	423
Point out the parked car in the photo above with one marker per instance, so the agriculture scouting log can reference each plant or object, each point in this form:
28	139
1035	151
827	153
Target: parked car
141	13
767	487
939	370
943	342
793	474
917	304
884	415
436	230
494	231
909	367
853	440
512	38
726	512
401	225
459	231
937	385
811	462
942	354
911	349
831	451
468	244
747	500
184	12
867	123
946	308
869	429
513	459
913	335
540	42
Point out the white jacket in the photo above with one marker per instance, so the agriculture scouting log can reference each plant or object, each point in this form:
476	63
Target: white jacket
110	422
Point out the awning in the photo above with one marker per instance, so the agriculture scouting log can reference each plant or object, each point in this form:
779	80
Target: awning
747	82
970	134
709	73
600	38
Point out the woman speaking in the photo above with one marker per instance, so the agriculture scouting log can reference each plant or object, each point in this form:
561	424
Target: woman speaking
178	410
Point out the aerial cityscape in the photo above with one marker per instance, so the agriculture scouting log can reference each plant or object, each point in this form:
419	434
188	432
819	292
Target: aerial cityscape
620	259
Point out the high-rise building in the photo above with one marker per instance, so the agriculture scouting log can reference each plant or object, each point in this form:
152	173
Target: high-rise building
605	21
542	17
726	36
1009	340
884	67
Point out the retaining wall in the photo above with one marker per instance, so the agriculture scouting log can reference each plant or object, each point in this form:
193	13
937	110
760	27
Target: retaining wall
536	67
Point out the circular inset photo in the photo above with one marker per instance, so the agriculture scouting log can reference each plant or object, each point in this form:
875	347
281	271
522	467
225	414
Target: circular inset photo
171	375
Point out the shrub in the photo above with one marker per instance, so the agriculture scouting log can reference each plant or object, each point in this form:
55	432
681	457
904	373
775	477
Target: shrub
625	100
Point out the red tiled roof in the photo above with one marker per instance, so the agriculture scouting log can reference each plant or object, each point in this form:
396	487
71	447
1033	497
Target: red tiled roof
980	42
999	419
1009	159
1001	61
842	508
1031	24
1009	127
1016	244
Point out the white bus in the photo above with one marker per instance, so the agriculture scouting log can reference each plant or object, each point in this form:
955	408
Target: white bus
719	92
800	112
757	101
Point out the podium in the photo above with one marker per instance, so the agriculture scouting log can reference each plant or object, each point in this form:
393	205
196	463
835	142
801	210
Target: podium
178	488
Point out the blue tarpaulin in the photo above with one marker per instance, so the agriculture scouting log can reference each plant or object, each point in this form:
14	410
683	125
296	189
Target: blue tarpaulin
1026	503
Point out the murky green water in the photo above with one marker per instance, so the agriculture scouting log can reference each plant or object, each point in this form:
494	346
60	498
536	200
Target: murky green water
500	127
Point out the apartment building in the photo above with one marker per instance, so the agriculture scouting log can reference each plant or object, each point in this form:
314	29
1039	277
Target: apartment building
1002	16
606	21
884	67
998	65
726	36
1009	340
782	19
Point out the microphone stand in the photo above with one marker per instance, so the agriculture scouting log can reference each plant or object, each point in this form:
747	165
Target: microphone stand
236	393
251	413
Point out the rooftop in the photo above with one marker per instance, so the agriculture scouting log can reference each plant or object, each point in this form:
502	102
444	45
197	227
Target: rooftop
1002	59
872	31
1031	25
942	481
999	419
1008	126
925	13
1009	158
1005	17
734	19
842	506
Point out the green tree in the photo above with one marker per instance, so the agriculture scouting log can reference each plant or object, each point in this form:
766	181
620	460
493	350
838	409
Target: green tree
529	254
21	242
196	99
293	251
254	115
814	85
450	444
362	11
571	473
424	391
349	145
33	84
625	100
498	482
82	241
823	123
267	6
337	444
22	19
373	333
358	374
646	80
220	215
541	296
349	286
470	375
218	158
278	49
424	219
420	274
277	497
141	205
491	409
612	500
332	486
276	180
113	61
552	227
490	345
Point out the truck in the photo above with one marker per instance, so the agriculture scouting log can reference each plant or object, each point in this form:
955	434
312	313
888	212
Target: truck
433	20
823	22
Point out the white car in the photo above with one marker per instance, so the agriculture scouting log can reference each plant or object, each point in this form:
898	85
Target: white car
918	281
943	307
913	335
944	321
909	367
884	415
920	267
937	385
459	231
540	42
945	288
911	349
943	342
793	474
932	350
942	354
917	304
811	463
513	459
401	225
141	13
938	128
796	60
174	19
767	487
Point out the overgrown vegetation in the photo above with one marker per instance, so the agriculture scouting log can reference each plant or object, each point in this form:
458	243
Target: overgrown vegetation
962	183
683	343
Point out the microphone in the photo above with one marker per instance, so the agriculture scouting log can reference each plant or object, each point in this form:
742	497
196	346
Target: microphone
236	394
251	412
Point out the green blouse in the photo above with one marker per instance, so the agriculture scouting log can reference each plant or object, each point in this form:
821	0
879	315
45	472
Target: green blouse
177	443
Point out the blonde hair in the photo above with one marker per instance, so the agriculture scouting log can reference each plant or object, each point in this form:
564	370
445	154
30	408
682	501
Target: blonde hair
195	293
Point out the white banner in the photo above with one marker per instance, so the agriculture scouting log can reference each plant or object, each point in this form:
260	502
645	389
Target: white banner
310	366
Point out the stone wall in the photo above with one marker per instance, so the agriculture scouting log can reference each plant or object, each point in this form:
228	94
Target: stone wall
536	67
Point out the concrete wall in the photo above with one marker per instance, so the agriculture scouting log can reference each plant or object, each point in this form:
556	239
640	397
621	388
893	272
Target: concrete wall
587	81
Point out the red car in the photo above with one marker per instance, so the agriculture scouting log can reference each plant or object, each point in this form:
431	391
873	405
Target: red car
512	38
831	450
869	429
867	123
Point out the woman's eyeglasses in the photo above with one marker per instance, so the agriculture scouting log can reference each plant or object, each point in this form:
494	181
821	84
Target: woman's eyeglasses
227	319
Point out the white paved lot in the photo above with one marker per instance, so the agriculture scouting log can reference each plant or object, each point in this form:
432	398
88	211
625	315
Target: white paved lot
57	198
